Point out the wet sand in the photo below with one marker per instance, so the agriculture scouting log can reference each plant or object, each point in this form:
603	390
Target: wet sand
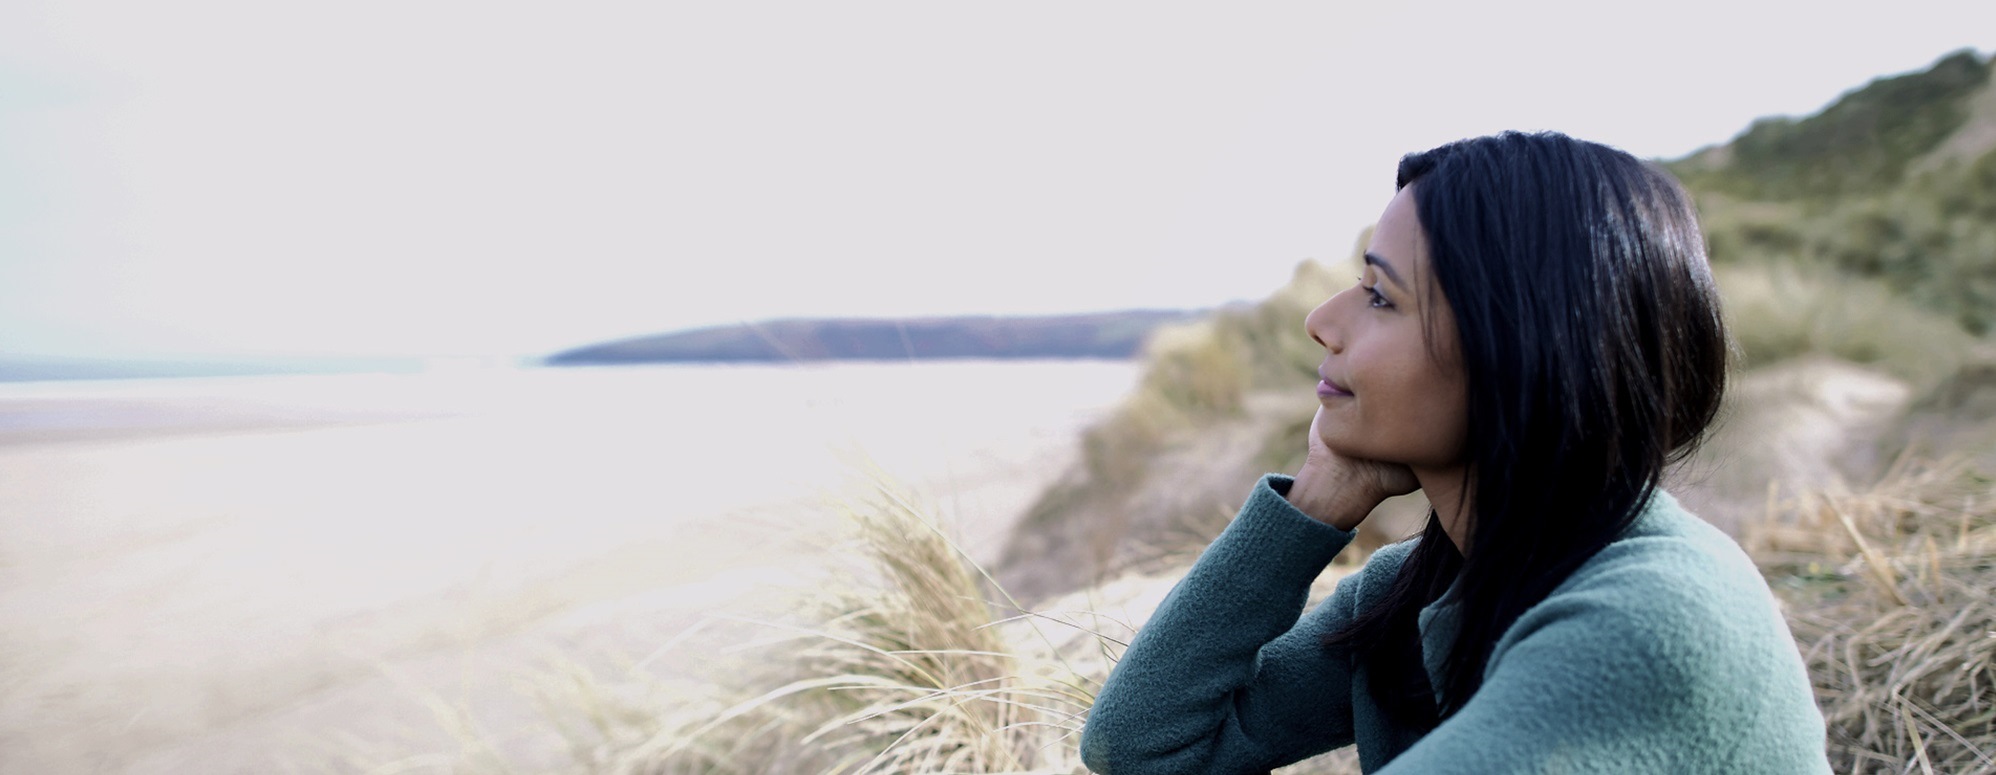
311	573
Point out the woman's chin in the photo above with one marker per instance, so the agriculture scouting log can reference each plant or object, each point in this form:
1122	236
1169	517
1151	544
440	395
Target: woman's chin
1371	454
1345	449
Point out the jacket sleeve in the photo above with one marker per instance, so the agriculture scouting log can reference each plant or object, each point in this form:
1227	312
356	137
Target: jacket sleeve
1637	669
1224	678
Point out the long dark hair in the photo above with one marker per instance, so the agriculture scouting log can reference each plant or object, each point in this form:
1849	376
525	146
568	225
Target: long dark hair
1594	354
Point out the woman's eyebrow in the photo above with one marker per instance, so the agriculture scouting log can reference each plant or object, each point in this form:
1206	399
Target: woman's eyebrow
1375	260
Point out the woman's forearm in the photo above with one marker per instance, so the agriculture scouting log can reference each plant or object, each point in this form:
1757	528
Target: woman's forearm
1224	677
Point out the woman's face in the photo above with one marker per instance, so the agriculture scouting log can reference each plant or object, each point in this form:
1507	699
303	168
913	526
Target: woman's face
1389	394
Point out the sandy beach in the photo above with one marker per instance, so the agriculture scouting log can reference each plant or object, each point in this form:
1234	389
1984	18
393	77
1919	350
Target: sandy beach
330	572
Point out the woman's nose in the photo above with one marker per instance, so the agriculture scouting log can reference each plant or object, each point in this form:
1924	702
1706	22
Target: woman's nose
1319	325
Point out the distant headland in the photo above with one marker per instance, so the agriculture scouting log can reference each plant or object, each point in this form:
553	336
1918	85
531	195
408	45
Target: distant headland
1103	335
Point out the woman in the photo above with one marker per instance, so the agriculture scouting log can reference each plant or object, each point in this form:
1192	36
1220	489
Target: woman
1534	337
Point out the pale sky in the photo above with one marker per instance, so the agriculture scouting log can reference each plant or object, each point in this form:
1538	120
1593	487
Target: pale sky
474	178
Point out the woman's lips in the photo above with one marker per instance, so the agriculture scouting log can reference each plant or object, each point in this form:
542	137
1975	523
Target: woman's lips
1329	389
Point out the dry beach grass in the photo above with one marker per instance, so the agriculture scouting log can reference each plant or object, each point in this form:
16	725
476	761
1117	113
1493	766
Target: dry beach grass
905	664
1889	594
899	664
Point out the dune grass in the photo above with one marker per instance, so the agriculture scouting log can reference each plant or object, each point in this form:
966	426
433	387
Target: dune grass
1778	311
1888	591
909	661
902	664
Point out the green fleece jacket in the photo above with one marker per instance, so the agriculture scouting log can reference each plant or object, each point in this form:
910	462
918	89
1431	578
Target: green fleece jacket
1665	653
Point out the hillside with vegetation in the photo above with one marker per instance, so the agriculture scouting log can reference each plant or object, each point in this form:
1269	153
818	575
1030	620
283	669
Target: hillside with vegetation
1893	182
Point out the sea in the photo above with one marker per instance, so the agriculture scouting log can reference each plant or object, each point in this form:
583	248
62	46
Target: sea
228	573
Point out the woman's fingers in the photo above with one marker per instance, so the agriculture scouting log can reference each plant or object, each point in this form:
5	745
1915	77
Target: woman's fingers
1341	490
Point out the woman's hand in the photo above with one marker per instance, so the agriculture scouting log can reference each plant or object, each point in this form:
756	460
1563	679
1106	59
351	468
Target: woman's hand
1340	491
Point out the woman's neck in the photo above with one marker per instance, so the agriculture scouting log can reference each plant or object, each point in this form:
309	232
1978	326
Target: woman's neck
1449	492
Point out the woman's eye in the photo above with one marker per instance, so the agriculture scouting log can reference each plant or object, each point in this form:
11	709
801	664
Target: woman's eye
1373	297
